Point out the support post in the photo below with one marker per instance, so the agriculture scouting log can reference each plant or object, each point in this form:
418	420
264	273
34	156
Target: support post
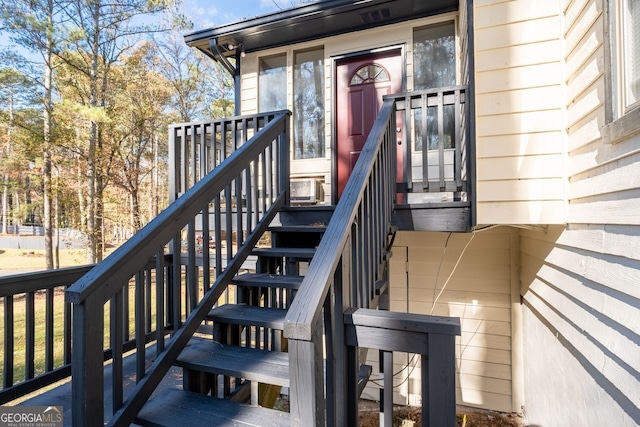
307	380
87	386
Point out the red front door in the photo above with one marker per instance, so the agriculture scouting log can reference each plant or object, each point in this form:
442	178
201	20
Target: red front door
361	84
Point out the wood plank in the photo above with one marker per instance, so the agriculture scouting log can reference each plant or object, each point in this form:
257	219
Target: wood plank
521	190
520	145
239	314
587	22
621	209
531	212
298	253
406	322
519	168
610	177
268	280
433	219
588	101
521	100
319	228
518	56
174	407
518	33
268	367
526	76
500	14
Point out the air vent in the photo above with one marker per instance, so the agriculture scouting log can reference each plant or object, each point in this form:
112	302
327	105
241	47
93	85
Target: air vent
375	16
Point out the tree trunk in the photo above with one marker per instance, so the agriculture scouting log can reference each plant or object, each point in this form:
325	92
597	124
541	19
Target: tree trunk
48	241
5	205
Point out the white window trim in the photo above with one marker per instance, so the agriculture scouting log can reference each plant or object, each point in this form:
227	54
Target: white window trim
625	117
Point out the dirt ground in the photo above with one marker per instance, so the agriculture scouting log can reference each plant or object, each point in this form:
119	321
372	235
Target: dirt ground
466	417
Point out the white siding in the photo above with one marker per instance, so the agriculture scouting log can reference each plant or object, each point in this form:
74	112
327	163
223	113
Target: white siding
519	112
479	292
581	283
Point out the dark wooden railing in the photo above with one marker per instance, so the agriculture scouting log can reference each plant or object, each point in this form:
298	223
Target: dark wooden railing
257	170
346	271
350	270
432	337
45	360
435	126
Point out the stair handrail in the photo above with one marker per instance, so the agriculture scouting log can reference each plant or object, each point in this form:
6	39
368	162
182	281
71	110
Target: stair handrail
106	280
343	273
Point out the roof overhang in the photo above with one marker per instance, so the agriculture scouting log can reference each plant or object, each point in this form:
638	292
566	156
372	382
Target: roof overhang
311	22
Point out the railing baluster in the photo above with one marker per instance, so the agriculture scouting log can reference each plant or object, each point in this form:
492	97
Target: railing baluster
407	134
160	303
139	325
425	141
30	335
67	332
206	258
48	330
191	268
7	380
457	168
147	301
116	338
440	106
176	284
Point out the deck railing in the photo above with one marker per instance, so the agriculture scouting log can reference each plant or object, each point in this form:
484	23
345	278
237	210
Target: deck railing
435	153
33	303
350	270
258	170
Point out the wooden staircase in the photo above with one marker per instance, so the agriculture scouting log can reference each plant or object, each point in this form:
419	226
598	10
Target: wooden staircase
235	376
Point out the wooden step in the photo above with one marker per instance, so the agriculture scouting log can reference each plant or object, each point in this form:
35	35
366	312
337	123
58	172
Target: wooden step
296	253
319	228
307	215
205	355
176	407
265	280
240	314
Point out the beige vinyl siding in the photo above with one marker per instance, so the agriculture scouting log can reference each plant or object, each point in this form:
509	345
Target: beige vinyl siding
397	35
479	292
581	283
519	112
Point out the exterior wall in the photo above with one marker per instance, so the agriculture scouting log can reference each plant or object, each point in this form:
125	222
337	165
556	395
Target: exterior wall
479	292
580	283
519	112
399	35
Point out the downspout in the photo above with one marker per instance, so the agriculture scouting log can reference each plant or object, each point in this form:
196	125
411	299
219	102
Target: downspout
217	55
236	82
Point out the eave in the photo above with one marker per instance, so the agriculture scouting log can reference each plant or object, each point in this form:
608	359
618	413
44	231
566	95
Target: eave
311	22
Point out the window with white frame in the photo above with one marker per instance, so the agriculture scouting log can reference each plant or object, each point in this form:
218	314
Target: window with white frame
272	83
632	51
627	60
308	104
434	66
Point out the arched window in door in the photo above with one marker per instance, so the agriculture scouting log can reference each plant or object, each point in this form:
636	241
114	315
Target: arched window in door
369	73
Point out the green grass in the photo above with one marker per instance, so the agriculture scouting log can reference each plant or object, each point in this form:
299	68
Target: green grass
19	324
20	331
34	259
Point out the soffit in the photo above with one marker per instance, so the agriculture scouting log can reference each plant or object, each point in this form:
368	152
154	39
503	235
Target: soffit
313	21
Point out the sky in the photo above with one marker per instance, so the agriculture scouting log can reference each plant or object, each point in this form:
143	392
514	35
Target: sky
208	13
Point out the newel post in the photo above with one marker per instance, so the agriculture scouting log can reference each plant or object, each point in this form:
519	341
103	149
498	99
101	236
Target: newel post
306	392
87	381
283	160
